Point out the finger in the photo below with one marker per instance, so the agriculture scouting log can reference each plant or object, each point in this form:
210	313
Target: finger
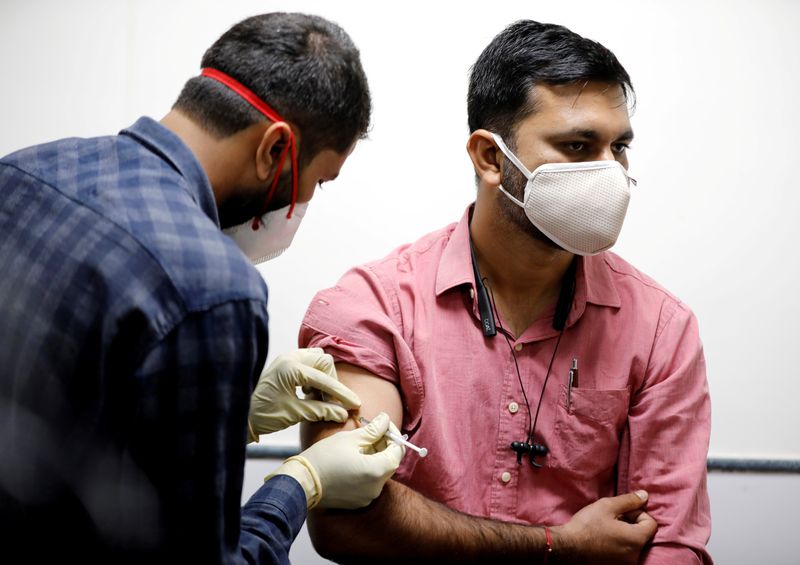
328	385
377	428
317	358
326	364
627	502
393	428
646	525
392	456
315	410
630	517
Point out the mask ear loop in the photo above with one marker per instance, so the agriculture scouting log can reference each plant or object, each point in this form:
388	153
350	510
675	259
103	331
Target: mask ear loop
257	103
290	146
517	163
510	155
295	173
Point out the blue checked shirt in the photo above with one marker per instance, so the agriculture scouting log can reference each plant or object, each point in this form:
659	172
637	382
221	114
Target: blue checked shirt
132	332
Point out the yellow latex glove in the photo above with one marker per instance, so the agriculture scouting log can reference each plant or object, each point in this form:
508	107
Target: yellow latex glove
275	405
347	469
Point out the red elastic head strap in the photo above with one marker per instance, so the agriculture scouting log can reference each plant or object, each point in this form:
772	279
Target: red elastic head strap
264	108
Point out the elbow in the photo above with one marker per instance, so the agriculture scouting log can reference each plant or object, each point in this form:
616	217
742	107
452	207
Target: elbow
332	534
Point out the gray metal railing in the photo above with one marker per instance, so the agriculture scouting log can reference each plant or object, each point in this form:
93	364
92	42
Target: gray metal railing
722	464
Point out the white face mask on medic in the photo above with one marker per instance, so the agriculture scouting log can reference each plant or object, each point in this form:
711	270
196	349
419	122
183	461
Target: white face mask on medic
265	240
579	206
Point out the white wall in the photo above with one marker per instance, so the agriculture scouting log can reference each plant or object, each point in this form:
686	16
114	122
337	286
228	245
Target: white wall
715	216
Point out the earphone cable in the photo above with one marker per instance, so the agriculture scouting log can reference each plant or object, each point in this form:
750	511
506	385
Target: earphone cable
513	354
544	385
531	426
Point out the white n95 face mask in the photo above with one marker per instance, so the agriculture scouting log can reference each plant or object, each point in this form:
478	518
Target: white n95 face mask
579	206
265	240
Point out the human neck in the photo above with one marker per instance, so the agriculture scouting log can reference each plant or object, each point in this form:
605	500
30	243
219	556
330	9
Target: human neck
524	274
220	158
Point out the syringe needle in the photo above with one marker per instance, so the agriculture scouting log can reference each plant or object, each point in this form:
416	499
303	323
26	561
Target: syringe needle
398	438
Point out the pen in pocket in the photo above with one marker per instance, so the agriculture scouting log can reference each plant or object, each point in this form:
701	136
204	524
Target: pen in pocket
573	381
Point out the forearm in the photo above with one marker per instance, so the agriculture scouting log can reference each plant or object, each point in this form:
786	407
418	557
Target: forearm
401	525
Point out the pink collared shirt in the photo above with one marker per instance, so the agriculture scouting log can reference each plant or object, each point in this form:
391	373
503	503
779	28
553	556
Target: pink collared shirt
640	417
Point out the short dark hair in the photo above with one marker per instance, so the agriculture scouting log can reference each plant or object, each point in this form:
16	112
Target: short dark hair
305	67
527	53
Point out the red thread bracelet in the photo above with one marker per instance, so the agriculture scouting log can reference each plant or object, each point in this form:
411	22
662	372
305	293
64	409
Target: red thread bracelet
549	549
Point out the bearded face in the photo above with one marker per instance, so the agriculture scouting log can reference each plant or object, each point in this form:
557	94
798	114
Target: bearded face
242	206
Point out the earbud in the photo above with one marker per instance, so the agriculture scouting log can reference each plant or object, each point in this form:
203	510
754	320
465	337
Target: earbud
534	449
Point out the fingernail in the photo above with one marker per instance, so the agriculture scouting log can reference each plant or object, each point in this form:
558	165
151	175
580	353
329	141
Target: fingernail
642	494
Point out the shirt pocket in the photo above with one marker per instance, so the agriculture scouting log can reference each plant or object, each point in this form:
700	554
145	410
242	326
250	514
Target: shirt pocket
587	430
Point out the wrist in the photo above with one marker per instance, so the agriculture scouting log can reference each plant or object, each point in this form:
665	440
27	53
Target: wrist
303	472
561	544
548	547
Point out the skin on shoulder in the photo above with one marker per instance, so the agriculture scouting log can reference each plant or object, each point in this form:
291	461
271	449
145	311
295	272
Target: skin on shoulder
376	394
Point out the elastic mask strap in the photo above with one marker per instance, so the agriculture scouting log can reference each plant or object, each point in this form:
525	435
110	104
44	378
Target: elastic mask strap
511	196
257	103
511	157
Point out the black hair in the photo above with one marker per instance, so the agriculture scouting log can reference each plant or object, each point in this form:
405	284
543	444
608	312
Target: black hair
305	67
527	53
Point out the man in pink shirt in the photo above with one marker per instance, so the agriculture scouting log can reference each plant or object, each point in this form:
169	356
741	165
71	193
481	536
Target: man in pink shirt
547	377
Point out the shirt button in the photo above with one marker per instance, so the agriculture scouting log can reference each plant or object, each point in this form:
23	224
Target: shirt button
505	477
518	347
513	407
472	293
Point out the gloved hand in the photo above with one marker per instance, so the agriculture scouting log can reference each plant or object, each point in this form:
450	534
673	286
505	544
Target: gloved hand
275	405
347	469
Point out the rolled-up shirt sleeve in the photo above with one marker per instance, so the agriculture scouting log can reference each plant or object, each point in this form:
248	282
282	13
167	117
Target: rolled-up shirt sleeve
665	445
359	322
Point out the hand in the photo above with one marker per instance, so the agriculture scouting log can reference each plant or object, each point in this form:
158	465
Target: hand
275	405
347	469
612	530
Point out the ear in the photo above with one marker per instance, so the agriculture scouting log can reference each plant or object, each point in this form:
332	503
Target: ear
272	142
486	157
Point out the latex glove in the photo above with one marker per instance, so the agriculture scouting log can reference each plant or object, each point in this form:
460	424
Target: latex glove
347	469
275	405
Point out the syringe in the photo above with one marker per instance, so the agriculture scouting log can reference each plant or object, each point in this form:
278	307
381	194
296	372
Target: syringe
403	439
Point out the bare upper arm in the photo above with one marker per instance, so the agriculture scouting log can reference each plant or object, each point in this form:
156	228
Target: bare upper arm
376	394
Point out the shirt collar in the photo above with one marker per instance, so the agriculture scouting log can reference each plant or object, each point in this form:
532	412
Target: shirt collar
594	275
593	283
455	265
167	145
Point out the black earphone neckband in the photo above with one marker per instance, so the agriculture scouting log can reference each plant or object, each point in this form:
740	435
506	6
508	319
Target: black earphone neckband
564	304
484	306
